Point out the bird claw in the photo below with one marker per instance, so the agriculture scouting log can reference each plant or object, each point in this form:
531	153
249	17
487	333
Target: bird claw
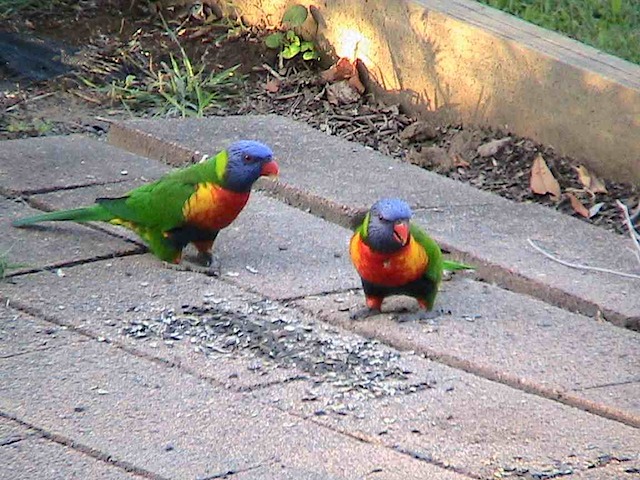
212	268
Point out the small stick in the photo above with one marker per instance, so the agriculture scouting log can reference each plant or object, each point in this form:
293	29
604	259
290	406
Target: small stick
632	231
579	266
272	71
31	99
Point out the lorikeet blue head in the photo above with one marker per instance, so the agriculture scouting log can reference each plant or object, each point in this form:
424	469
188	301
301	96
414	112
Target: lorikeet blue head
247	160
388	225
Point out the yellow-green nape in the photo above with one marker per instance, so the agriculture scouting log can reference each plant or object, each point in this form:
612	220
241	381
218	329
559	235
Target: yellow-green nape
221	159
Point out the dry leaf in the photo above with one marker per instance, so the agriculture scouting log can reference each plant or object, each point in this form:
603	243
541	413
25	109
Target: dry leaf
590	181
344	69
593	211
431	157
418	132
577	206
273	85
458	161
542	180
493	147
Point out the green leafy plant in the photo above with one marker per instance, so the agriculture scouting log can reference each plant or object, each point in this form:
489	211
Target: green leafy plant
288	41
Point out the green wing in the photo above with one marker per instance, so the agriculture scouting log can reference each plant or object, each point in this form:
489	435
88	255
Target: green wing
158	205
434	269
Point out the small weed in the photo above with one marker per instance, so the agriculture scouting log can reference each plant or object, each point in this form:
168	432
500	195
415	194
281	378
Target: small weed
6	265
33	127
288	41
176	88
610	25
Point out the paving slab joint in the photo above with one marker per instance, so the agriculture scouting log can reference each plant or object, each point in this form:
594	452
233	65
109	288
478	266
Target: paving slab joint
142	249
85	449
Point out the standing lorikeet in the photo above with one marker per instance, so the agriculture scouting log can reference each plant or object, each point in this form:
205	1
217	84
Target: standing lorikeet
188	205
396	257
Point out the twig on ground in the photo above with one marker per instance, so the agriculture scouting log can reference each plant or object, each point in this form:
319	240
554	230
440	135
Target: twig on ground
28	99
579	266
272	71
635	236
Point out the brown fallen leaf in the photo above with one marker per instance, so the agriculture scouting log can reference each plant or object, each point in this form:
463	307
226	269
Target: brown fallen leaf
458	161
344	69
590	181
577	206
542	180
431	157
493	147
418	132
273	85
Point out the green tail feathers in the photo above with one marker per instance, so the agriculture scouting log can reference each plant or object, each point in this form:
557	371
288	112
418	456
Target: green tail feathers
94	213
453	266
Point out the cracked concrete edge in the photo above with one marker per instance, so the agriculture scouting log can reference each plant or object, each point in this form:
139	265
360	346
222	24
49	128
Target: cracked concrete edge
137	141
85	449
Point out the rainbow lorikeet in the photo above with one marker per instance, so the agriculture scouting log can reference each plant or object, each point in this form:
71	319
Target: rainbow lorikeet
189	205
396	257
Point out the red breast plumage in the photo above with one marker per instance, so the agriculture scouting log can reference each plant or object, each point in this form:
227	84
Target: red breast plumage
388	269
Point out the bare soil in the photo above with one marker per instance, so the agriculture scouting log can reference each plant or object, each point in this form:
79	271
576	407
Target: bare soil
108	40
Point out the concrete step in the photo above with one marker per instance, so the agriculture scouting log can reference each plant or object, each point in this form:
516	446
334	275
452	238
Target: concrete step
332	177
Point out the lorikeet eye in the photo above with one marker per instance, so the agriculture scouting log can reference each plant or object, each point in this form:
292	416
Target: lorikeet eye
248	158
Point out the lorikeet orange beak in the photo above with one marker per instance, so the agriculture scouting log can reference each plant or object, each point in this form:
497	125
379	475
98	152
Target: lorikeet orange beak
401	232
269	169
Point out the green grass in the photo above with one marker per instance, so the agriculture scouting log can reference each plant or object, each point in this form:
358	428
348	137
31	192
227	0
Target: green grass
609	25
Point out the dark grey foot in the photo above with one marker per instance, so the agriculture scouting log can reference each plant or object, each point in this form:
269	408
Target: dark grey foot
363	313
202	263
204	258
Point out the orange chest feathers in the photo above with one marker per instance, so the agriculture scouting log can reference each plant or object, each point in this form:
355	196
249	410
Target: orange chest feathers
211	207
388	269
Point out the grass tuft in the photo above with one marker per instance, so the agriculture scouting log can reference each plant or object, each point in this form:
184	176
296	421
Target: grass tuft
176	88
609	25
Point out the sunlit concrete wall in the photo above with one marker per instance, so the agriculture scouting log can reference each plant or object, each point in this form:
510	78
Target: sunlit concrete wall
477	65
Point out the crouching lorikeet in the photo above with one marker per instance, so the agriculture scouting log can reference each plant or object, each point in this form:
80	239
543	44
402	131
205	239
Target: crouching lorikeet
189	205
396	257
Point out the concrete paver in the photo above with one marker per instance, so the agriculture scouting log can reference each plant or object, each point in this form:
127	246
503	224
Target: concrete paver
474	425
486	228
102	298
625	396
176	425
498	235
471	423
47	163
44	246
34	457
490	329
21	333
